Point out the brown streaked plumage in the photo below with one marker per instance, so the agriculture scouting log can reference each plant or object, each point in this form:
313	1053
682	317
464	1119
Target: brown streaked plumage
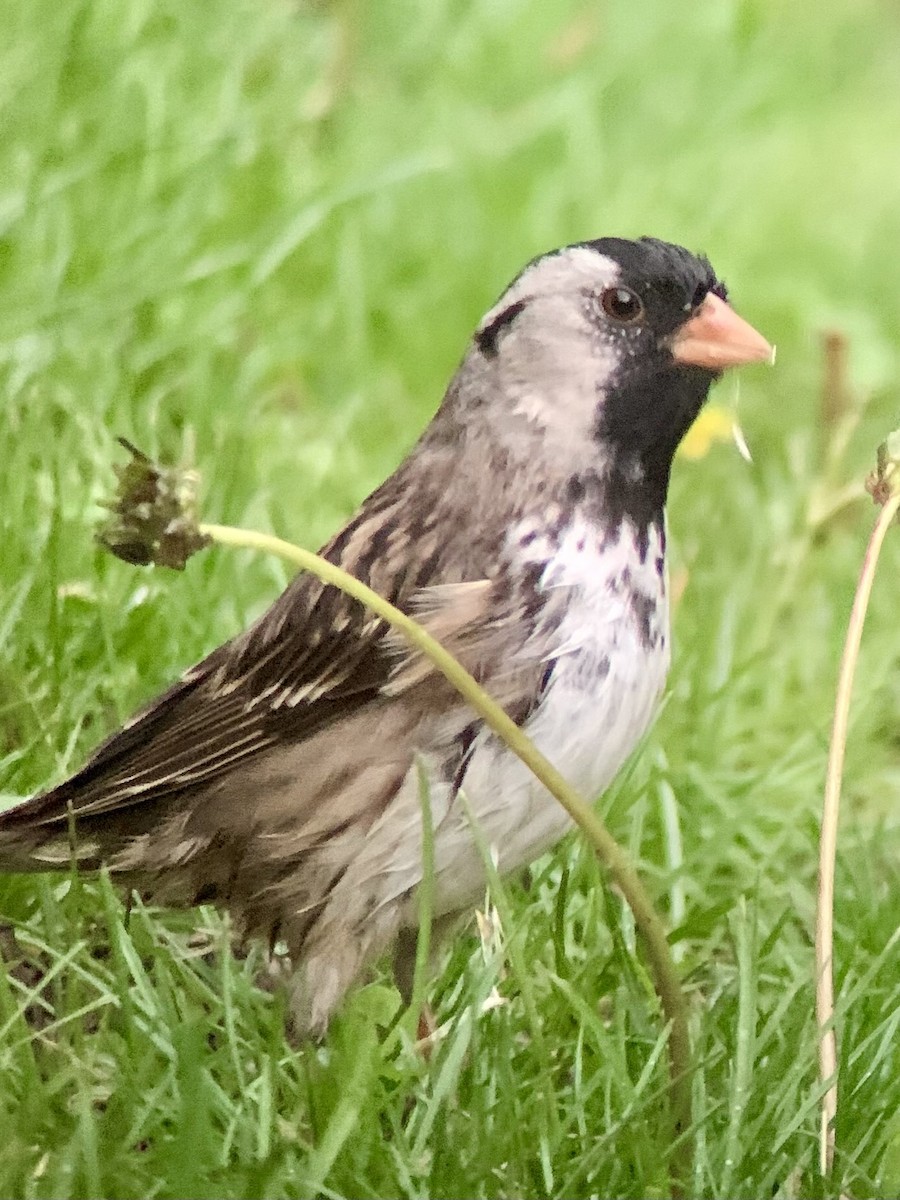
277	777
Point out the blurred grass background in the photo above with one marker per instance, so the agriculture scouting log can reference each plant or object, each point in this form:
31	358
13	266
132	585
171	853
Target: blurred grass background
256	236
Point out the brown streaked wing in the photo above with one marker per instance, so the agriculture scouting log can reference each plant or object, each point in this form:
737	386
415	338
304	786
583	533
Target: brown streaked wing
313	657
223	712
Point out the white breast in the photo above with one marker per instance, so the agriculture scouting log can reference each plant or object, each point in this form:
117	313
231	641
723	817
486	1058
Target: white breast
611	659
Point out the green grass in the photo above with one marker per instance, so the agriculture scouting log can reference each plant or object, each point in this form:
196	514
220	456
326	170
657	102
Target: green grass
255	236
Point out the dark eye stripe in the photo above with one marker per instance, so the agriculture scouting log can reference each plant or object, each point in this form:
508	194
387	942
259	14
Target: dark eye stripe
487	338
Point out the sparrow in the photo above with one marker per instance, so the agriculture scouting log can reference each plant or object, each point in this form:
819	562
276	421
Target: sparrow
279	778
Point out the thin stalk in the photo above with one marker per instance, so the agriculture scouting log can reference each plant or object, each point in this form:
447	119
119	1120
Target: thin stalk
613	857
426	901
828	837
743	928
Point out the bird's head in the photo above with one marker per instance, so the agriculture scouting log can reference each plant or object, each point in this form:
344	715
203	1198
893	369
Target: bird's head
607	350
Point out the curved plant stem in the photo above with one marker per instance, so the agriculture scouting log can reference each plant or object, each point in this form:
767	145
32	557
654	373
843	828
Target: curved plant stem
828	837
668	986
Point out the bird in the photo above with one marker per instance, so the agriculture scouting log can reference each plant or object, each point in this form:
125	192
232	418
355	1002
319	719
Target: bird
279	778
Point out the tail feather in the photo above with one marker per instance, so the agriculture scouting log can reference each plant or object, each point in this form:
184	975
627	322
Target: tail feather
45	833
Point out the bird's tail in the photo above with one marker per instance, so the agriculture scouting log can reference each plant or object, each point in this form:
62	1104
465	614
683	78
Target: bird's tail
40	834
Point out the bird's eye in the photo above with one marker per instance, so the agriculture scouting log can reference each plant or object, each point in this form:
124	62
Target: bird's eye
622	305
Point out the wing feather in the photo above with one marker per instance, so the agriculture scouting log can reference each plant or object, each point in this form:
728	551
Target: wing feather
315	657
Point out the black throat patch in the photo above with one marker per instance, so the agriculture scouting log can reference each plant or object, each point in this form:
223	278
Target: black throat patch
640	422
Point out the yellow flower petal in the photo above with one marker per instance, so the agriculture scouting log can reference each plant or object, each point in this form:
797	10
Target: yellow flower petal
715	424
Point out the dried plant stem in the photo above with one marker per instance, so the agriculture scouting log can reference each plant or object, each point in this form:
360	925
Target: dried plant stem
828	837
616	861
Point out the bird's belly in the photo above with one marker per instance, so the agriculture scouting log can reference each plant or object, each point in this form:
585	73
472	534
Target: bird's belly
609	649
598	705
